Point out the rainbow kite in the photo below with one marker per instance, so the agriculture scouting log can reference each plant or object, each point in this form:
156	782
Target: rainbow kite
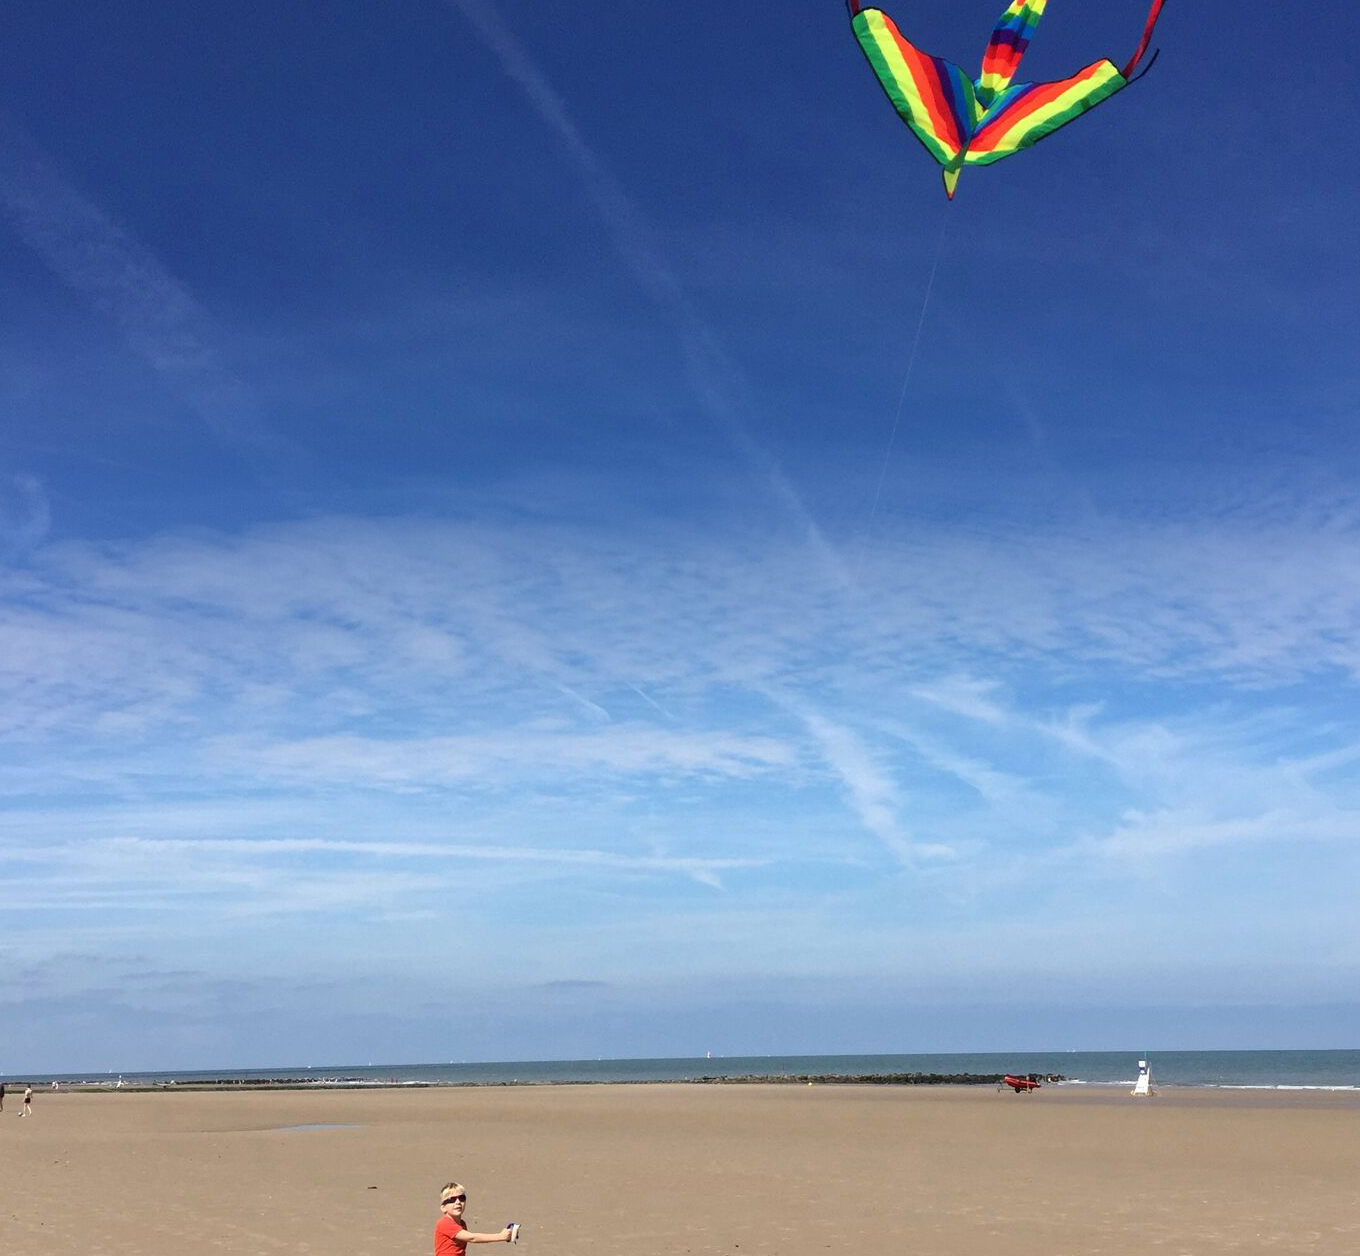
967	122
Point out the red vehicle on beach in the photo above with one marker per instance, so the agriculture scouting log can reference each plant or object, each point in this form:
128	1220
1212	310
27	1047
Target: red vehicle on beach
1021	1085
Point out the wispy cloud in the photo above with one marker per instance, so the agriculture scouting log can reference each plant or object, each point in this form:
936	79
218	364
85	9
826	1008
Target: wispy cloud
332	626
1140	837
301	874
963	695
345	716
872	794
503	757
25	516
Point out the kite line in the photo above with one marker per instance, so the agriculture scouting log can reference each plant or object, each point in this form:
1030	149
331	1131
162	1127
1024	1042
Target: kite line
902	394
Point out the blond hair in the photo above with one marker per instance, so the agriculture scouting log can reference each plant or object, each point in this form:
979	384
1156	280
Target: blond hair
451	1186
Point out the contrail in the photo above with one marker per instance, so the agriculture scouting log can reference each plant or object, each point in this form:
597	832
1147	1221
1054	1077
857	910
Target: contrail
651	702
717	383
716	380
157	316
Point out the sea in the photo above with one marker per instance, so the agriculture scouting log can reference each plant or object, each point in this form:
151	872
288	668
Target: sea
1248	1070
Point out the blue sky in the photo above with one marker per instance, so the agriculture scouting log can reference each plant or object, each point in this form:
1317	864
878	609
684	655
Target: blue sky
469	592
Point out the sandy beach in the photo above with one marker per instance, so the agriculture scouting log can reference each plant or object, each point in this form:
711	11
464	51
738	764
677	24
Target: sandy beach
663	1169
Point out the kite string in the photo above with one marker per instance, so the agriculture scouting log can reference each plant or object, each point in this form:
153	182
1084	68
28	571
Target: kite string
902	395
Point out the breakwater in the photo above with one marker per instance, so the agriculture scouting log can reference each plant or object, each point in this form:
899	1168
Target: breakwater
873	1079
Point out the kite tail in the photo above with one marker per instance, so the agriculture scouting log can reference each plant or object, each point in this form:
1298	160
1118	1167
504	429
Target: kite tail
1153	14
1007	45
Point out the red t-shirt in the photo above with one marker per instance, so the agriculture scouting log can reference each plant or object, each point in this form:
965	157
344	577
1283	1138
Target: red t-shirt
445	1242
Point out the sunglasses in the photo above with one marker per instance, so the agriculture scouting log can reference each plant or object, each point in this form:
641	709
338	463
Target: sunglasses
453	1199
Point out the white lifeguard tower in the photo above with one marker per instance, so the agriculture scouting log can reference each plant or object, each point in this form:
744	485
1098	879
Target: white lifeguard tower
1142	1088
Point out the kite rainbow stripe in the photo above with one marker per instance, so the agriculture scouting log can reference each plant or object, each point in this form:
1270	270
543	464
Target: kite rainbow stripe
1006	46
933	96
1027	114
966	122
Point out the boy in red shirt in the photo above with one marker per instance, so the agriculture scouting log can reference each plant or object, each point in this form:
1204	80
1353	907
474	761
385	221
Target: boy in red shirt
451	1237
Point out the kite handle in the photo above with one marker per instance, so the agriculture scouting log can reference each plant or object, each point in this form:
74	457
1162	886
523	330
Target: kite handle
1153	14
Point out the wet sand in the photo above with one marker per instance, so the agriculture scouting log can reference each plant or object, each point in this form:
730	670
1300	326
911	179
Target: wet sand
745	1170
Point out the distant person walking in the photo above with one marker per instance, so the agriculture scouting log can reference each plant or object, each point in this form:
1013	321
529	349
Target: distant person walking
2	1096
451	1236
28	1102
